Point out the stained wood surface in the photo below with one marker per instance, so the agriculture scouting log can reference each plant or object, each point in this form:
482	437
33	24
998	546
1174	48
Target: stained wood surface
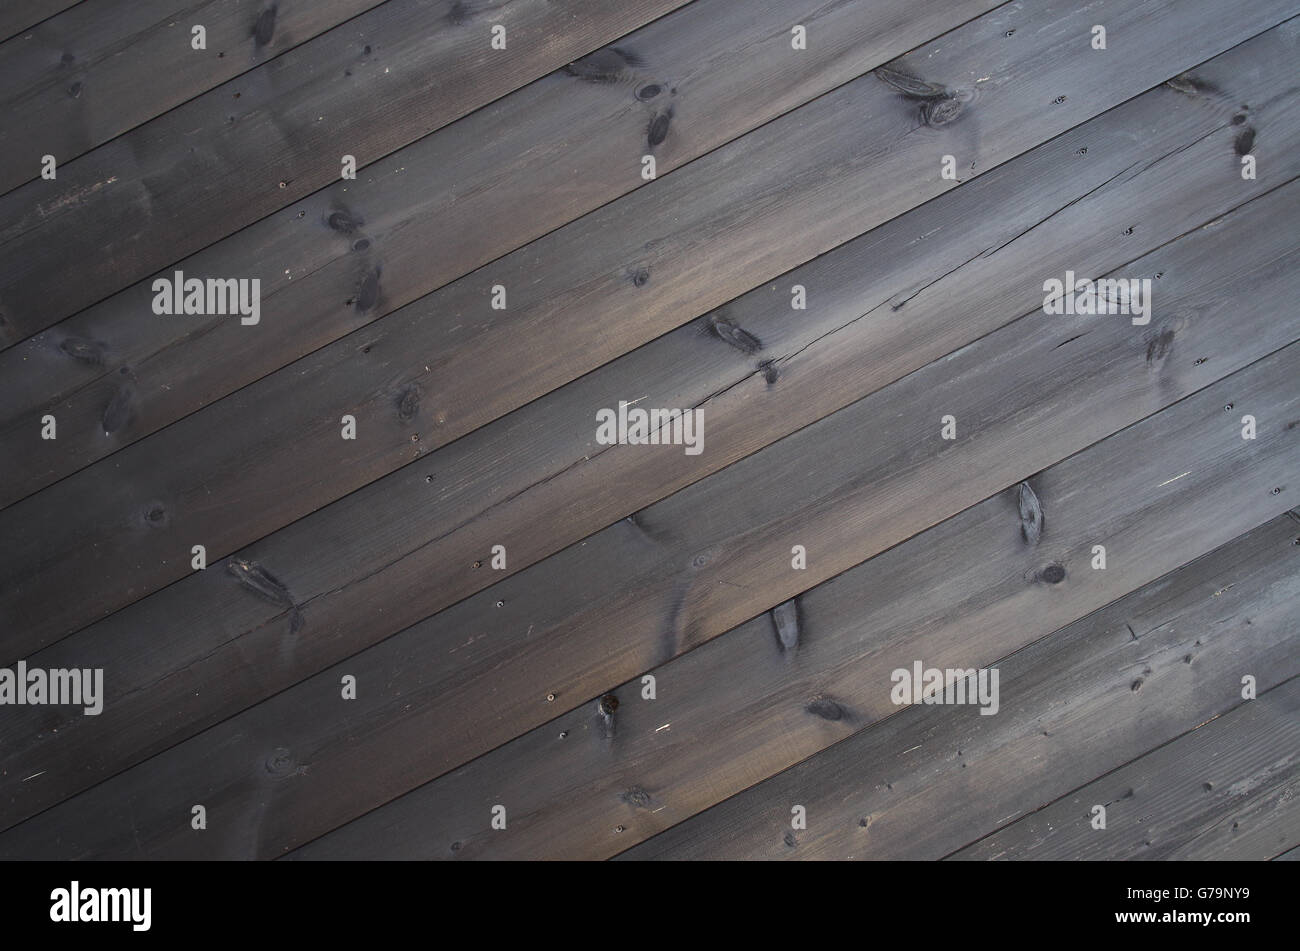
748	709
453	192
229	630
239	152
927	780
69	85
460	682
839	262
1229	789
17	16
410	380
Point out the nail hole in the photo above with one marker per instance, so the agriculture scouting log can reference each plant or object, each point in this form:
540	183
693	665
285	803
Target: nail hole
550	698
501	604
1058	100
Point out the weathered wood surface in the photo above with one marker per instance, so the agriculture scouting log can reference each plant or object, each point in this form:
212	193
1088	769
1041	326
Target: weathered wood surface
1107	688
18	16
715	554
961	595
91	73
827	429
1229	789
341	562
414	383
437	210
253	146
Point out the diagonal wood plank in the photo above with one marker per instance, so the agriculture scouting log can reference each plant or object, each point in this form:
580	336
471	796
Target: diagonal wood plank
342	562
252	146
928	779
476	190
1229	789
81	78
125	524
471	678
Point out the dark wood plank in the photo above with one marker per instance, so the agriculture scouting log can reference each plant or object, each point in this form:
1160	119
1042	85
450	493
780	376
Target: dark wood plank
366	568
17	16
81	78
253	146
1229	789
124	523
473	191
927	780
715	554
750	710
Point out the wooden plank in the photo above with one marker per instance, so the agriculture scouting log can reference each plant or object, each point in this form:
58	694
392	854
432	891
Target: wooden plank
366	568
927	780
81	78
124	524
960	596
1292	855
16	16
253	146
713	555
1229	789
483	187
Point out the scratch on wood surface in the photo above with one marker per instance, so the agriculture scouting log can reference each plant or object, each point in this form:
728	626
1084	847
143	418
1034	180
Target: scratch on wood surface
73	197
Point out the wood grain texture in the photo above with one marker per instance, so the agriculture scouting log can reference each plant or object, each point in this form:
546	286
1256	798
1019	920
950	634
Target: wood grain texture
1229	789
87	75
927	780
472	677
345	563
274	135
437	210
17	16
576	278
961	595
